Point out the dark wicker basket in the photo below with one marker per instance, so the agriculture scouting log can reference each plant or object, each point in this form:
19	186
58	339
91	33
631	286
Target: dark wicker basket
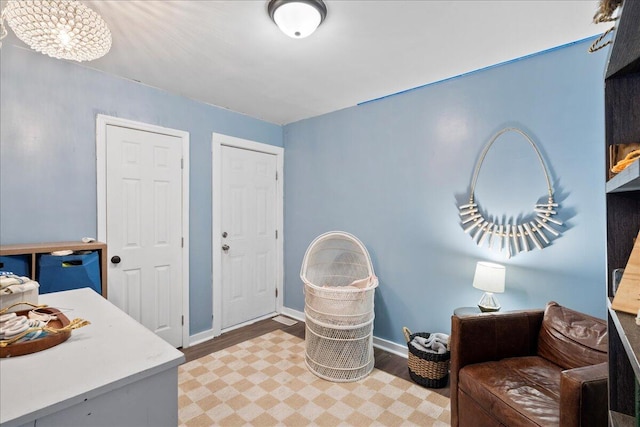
425	368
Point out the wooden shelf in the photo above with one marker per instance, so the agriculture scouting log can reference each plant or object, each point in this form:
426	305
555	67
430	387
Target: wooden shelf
624	56
621	420
42	248
627	180
629	336
622	122
33	250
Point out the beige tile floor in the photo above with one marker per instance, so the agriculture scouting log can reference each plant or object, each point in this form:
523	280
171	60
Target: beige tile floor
264	382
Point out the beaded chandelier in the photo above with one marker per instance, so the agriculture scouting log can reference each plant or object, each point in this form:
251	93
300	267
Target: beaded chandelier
64	29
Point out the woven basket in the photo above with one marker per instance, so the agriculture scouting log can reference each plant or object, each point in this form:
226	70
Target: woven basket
339	354
339	287
425	368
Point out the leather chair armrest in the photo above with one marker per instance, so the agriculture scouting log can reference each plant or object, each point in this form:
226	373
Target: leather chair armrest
490	336
583	396
494	336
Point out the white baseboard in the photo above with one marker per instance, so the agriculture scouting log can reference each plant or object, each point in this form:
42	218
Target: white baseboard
201	337
382	344
249	322
390	346
207	335
294	314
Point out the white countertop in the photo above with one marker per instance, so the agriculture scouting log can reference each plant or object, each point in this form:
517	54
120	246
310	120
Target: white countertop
112	352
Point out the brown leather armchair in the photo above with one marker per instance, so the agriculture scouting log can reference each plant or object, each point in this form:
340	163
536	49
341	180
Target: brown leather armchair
529	368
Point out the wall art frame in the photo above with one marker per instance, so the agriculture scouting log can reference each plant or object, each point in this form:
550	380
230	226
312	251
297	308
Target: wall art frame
536	230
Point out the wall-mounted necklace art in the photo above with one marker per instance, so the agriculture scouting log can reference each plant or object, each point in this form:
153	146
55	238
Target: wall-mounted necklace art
512	237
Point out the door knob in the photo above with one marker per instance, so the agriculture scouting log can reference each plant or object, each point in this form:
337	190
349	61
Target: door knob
225	247
224	234
115	259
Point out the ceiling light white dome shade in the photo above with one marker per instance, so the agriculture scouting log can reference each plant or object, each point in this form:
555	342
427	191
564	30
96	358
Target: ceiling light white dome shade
297	20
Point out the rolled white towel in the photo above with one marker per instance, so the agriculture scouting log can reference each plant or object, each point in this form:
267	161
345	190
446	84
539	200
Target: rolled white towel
17	289
439	348
439	341
435	343
436	348
12	279
424	342
435	337
418	345
439	337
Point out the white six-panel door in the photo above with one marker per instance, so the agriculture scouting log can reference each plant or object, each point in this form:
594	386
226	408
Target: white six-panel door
248	226
144	227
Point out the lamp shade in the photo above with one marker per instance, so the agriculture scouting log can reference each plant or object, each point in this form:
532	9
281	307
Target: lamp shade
297	18
489	277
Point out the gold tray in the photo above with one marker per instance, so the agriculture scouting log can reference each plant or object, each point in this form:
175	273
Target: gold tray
39	344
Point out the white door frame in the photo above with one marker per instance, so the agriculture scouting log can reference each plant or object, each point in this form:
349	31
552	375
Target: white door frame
217	141
102	121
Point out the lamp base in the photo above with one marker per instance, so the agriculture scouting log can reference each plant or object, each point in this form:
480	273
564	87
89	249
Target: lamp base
488	303
488	309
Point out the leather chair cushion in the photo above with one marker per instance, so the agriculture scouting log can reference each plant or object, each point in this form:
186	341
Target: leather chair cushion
572	339
522	391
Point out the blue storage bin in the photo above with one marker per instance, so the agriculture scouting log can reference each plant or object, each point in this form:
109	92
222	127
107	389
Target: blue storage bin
16	264
63	273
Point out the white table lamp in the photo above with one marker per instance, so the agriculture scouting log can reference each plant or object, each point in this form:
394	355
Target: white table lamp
489	278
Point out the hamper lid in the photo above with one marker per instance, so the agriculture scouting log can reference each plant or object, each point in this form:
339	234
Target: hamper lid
336	258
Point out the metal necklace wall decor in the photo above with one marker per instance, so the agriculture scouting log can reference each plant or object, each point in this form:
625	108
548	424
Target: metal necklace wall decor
537	229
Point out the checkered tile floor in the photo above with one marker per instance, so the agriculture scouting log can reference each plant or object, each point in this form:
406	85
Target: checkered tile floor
264	382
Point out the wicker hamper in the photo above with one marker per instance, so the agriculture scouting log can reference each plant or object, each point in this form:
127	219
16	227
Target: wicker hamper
426	368
339	354
339	286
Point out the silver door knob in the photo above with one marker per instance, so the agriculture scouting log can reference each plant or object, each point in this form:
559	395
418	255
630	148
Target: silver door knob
225	247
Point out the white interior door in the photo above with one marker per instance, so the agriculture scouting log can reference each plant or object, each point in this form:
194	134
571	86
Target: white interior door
144	223
248	226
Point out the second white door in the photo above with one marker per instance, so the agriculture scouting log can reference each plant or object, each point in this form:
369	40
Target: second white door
248	223
144	223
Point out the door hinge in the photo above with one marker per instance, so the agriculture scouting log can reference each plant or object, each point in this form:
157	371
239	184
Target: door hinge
182	242
276	292
276	234
182	320
182	163
276	175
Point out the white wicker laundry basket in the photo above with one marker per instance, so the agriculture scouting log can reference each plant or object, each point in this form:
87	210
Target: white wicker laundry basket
339	285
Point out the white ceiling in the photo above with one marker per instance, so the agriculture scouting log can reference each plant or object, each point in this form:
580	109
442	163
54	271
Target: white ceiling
230	54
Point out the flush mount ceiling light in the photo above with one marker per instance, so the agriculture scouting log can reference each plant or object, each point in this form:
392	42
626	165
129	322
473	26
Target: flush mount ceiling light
297	18
64	29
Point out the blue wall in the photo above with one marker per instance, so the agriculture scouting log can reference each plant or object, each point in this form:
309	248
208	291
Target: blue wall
48	154
392	172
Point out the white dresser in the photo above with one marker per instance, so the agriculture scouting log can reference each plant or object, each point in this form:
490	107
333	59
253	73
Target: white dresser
113	372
